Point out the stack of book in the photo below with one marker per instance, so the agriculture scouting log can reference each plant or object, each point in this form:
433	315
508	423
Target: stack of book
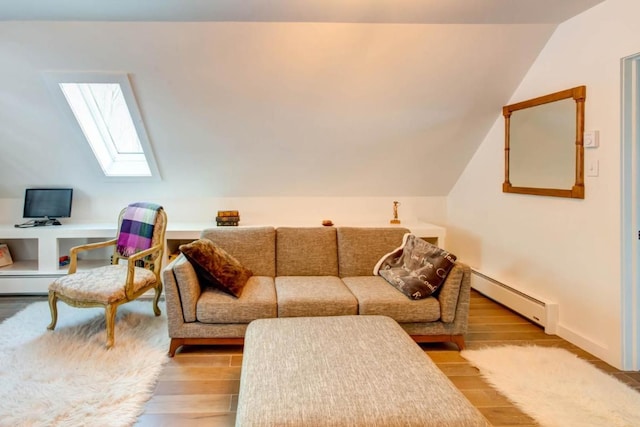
227	218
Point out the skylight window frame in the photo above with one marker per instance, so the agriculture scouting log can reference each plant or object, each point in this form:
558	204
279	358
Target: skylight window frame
54	79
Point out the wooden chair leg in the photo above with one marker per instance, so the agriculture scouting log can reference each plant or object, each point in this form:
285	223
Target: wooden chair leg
53	307
156	299
110	317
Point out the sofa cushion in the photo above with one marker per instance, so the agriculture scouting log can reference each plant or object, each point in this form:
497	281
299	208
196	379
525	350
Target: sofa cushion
188	287
258	301
310	251
376	297
359	249
254	247
417	268
300	296
215	266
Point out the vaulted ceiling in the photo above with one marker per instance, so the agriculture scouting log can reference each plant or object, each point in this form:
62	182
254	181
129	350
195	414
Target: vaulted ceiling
256	98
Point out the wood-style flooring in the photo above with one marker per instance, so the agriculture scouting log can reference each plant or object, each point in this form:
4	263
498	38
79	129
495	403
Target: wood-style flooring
199	386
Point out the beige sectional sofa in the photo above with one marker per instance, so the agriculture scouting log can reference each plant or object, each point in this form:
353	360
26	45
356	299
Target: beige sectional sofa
308	271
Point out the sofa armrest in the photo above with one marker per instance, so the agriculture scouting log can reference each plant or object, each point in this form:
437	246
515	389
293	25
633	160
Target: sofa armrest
182	290
454	291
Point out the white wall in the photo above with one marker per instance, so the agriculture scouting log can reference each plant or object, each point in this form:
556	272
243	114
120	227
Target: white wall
562	250
271	109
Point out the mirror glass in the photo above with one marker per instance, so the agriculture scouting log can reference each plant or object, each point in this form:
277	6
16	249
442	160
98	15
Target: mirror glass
543	145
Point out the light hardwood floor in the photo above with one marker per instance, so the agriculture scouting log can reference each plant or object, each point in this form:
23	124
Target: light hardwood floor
199	386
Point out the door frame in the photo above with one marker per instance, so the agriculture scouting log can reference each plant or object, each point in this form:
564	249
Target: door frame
630	214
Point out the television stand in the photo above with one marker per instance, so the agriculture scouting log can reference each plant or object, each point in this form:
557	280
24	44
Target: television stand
38	223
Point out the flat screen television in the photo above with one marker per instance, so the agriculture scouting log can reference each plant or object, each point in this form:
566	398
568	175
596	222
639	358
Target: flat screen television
47	204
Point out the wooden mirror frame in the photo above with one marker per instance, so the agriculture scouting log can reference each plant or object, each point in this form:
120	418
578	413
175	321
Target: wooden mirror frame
577	191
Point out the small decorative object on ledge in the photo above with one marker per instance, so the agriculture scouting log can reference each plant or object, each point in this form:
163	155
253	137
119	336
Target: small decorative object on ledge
395	219
327	222
5	255
227	218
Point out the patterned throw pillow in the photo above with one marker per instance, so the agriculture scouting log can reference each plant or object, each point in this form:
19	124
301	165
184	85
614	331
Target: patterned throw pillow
216	266
417	268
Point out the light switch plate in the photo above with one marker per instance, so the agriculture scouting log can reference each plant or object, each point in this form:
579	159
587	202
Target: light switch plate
592	139
593	168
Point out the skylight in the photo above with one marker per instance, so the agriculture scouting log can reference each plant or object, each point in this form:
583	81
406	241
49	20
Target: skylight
105	110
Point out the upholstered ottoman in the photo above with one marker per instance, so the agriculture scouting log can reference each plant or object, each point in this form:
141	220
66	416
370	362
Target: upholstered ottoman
344	371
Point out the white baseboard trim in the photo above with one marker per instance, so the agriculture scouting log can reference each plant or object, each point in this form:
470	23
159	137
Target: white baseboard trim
544	313
601	351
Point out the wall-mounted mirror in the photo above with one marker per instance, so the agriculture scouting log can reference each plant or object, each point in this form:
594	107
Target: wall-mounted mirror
544	151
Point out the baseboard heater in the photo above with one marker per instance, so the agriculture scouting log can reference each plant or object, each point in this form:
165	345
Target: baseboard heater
543	313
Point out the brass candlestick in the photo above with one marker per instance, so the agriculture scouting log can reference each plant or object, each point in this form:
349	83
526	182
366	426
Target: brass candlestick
395	219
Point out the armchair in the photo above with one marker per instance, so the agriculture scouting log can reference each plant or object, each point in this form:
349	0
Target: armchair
112	285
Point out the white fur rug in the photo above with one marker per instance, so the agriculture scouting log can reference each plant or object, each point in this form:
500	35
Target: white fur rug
557	388
67	377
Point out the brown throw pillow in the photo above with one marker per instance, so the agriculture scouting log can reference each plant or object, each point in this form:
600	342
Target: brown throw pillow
214	265
417	268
